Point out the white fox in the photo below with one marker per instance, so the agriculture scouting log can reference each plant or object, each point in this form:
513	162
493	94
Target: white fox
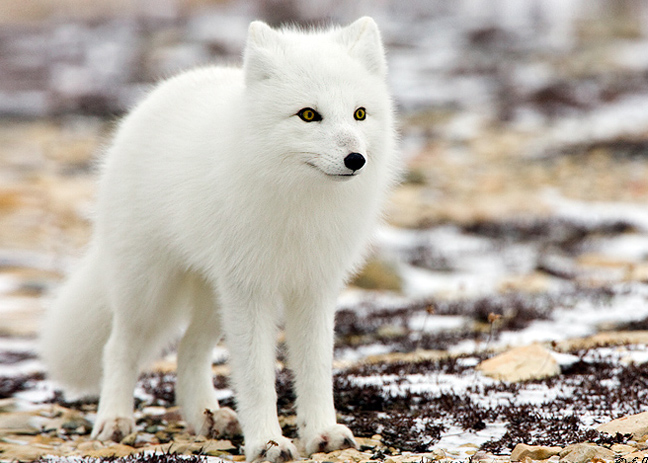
231	199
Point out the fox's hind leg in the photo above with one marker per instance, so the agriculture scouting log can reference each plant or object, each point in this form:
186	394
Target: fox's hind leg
195	389
142	299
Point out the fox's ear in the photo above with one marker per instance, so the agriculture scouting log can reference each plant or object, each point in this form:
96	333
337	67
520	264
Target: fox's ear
257	58
364	43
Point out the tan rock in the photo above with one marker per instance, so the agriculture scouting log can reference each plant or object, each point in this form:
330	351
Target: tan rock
533	283
608	338
114	450
637	456
534	452
8	405
366	443
347	455
637	272
219	446
413	458
378	274
130	439
585	452
637	425
195	445
622	449
21	423
16	452
90	446
520	364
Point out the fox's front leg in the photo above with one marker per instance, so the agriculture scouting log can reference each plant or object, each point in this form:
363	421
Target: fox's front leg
251	334
309	335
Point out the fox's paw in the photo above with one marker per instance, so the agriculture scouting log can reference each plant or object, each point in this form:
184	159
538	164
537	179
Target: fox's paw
334	438
277	450
113	428
219	423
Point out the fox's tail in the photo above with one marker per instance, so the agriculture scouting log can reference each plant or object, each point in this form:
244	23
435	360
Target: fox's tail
76	328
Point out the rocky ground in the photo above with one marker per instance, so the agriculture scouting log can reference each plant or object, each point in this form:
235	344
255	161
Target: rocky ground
554	284
504	313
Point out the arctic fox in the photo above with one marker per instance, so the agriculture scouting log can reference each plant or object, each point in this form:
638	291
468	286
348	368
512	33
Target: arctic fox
231	199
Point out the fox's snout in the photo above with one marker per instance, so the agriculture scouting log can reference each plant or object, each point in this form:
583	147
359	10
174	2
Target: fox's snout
354	161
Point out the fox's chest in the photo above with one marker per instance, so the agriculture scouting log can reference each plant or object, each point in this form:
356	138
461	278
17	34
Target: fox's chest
294	244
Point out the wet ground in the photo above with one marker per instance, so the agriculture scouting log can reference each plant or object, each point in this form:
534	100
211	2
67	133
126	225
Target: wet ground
522	218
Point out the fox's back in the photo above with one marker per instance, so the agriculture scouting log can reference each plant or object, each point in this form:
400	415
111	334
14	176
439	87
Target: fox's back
157	168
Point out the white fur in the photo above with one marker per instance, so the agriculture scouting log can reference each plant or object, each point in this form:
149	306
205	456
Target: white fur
219	206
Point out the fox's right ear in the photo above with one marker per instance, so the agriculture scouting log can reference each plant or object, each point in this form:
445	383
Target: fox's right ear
262	40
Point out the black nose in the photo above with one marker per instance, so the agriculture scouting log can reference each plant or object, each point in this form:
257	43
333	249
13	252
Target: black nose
354	161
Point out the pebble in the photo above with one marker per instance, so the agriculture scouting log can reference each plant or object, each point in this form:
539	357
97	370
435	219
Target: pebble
622	449
366	444
129	439
585	452
535	452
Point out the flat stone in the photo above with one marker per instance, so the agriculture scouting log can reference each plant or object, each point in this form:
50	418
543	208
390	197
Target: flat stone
637	425
639	457
21	423
608	338
114	450
521	364
8	405
585	452
341	455
14	452
89	446
222	445
365	443
487	457
622	449
534	452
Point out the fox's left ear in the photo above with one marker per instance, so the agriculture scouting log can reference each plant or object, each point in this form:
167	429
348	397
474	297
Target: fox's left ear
364	43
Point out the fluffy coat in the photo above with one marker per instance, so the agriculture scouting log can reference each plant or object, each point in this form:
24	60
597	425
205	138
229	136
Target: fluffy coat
222	211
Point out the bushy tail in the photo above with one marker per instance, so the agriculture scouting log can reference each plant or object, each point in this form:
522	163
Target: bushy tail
75	330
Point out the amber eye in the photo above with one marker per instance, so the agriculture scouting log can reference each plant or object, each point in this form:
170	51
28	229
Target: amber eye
309	115
360	114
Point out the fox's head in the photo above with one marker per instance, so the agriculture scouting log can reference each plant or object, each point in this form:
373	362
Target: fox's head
317	102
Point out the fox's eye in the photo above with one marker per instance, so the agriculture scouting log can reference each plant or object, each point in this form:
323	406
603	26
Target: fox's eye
360	114
309	115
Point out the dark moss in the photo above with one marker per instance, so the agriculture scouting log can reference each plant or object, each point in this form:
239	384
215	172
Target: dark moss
13	357
558	233
10	385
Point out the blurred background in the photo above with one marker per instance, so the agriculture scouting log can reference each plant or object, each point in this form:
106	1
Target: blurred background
508	109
